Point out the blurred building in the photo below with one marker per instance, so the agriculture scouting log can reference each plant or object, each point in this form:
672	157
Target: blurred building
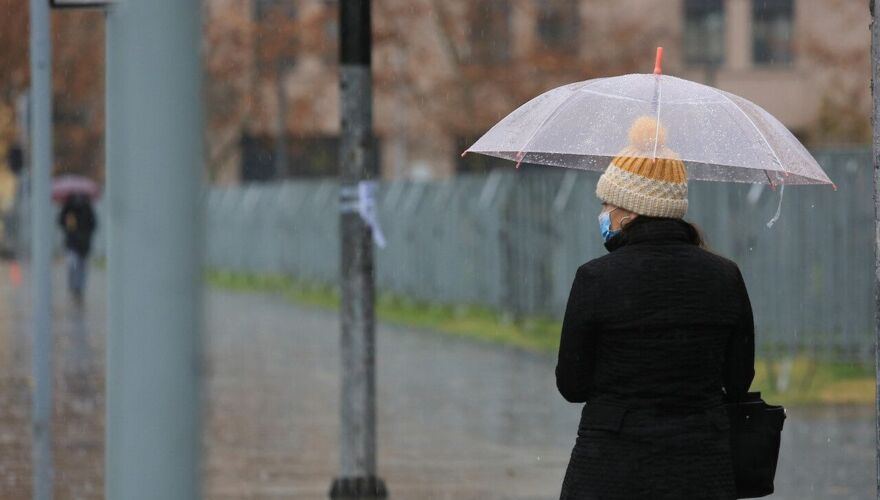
77	88
446	70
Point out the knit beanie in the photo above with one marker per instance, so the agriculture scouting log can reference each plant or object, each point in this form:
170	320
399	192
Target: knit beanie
642	181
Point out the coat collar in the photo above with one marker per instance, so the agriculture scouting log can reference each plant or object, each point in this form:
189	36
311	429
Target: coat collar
654	230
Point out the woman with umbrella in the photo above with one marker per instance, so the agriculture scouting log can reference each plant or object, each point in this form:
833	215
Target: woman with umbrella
77	221
653	335
658	334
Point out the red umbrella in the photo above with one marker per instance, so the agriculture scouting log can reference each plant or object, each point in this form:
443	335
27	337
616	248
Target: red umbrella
67	185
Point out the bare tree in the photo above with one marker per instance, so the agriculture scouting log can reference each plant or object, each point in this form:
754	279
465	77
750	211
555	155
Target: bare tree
78	82
228	61
844	98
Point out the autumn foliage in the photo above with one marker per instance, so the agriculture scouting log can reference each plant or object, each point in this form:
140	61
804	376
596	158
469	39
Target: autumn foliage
444	71
77	83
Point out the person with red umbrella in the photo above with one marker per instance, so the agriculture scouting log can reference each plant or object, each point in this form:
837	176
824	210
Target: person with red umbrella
77	220
76	193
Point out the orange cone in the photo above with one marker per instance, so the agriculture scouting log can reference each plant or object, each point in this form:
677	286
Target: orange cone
15	274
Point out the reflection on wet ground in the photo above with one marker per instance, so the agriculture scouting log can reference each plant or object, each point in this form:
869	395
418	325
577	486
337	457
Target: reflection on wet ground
457	419
78	405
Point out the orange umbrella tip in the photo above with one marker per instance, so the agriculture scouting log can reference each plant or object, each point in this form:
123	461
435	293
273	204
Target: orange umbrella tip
658	62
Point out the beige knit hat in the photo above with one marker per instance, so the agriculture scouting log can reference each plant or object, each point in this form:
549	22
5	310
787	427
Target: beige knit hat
645	182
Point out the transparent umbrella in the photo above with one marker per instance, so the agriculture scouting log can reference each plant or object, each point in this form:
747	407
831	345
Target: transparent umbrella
719	136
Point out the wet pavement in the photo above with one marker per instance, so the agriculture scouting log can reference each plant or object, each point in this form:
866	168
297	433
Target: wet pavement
78	408
457	419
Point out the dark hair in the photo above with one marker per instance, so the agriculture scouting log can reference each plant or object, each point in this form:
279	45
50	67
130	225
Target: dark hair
695	234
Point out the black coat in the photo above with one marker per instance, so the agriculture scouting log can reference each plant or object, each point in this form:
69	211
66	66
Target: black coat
77	220
654	334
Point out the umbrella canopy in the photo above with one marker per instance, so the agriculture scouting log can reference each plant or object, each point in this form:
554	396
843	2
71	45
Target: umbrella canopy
719	136
67	185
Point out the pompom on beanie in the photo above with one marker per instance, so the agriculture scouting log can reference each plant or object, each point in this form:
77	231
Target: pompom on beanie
643	181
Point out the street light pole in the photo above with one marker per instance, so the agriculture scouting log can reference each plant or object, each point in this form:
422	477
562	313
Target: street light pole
41	245
357	441
154	166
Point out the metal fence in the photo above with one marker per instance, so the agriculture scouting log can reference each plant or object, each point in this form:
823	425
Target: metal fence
512	240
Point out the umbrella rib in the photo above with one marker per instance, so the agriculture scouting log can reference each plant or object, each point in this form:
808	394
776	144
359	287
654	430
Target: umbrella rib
696	100
752	123
519	154
613	96
657	119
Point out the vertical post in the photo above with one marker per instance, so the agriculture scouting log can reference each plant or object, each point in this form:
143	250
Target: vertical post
281	162
41	245
357	441
875	122
738	34
154	164
24	119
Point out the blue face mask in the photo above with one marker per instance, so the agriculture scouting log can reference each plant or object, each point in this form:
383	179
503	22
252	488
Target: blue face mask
605	226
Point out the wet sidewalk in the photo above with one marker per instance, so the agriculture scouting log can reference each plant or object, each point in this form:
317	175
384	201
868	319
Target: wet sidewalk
78	383
457	419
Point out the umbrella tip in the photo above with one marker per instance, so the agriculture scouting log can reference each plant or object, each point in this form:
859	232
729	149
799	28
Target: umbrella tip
464	153
834	186
519	158
658	62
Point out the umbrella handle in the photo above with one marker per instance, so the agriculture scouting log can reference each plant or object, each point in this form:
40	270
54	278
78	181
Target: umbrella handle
658	62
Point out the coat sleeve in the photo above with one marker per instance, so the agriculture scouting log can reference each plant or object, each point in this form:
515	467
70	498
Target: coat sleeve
61	216
89	216
577	343
739	359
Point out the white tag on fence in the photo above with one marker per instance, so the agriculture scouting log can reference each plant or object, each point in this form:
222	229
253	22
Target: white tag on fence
364	203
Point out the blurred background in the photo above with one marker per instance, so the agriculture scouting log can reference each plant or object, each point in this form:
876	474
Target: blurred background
480	257
444	72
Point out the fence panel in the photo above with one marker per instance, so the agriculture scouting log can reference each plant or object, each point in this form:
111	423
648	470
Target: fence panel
512	240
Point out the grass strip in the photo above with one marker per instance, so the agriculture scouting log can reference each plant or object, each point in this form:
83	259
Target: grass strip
792	380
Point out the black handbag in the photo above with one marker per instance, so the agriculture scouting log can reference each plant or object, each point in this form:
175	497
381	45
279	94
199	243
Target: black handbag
755	432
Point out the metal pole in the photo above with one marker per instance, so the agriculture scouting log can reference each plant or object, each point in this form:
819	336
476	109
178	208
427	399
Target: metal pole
357	476
875	121
282	166
41	245
154	167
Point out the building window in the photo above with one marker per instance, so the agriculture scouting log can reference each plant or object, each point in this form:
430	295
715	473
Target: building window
490	31
276	41
558	23
704	32
772	30
268	8
308	157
